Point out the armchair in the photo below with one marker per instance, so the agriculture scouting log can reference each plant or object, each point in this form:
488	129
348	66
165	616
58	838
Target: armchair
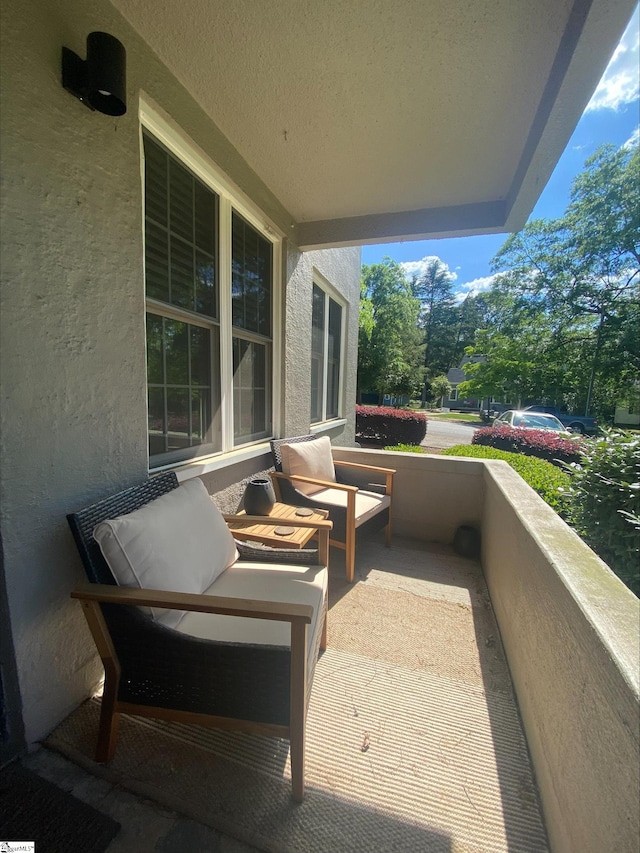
307	475
236	653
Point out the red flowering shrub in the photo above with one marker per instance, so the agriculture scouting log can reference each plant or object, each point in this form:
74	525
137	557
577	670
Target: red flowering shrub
542	443
390	426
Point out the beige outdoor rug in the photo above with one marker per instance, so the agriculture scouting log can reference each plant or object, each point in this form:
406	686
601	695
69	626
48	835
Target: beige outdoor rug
414	741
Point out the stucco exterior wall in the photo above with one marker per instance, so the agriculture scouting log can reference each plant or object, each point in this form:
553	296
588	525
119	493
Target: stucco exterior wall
73	348
342	271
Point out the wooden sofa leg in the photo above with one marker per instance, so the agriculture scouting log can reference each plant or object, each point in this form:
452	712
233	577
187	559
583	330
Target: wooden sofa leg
387	534
298	707
324	639
297	771
109	725
109	717
350	558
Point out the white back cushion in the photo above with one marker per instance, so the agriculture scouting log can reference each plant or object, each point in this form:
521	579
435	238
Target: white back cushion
178	542
310	459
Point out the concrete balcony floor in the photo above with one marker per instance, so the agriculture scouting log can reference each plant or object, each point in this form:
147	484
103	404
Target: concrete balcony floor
418	611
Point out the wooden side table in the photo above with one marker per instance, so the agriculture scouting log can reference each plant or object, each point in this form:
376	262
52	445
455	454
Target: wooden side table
281	536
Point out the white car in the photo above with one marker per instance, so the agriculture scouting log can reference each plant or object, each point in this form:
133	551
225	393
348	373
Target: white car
530	420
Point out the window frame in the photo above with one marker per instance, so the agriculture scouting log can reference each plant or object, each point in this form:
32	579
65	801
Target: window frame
163	310
330	293
230	200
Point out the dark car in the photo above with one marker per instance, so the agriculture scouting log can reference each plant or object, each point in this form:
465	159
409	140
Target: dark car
574	423
495	409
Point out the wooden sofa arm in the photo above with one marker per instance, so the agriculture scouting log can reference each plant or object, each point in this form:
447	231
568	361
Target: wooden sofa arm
358	466
273	610
277	522
363	467
328	484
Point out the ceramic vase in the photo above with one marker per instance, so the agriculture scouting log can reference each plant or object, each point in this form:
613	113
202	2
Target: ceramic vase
259	496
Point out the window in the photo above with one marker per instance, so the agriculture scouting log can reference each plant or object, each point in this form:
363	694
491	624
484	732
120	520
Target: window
182	391
453	396
252	268
209	274
326	352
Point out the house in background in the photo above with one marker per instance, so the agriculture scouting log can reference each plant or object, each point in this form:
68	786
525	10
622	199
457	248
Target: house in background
627	412
456	375
181	283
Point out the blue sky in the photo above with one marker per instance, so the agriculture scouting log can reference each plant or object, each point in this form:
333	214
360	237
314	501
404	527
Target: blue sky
611	116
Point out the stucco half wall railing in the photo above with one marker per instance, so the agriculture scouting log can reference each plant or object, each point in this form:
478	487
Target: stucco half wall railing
570	632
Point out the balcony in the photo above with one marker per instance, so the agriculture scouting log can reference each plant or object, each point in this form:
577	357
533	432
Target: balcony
459	706
569	629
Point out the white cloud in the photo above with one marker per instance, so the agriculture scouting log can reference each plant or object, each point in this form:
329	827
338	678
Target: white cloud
633	140
473	288
620	84
417	268
461	291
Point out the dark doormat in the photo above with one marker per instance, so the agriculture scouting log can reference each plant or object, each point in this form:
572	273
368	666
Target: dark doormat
32	809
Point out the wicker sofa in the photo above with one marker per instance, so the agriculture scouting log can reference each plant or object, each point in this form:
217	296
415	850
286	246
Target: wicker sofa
237	652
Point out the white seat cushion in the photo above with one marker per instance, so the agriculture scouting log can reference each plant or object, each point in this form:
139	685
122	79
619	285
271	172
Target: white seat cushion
178	542
309	459
368	504
262	582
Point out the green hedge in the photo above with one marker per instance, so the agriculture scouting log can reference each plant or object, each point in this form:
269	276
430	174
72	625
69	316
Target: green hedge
541	443
546	479
598	496
603	502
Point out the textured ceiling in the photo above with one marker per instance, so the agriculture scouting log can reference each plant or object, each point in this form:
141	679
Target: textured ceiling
380	119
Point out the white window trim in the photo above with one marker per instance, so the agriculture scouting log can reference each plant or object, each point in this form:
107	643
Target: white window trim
325	426
453	394
207	464
326	286
231	198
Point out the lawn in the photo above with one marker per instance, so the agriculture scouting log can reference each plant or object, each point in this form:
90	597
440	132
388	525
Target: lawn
466	417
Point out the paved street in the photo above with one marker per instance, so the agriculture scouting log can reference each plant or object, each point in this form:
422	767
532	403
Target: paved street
443	434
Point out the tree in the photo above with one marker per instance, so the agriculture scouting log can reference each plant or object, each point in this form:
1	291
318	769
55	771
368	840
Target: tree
571	285
390	351
366	323
604	222
469	316
434	288
440	387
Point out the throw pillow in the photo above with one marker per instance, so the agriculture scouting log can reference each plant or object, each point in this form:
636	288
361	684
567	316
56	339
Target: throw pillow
178	542
310	459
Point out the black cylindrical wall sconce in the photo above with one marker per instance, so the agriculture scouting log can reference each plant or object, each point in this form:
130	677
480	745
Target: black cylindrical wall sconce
100	81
